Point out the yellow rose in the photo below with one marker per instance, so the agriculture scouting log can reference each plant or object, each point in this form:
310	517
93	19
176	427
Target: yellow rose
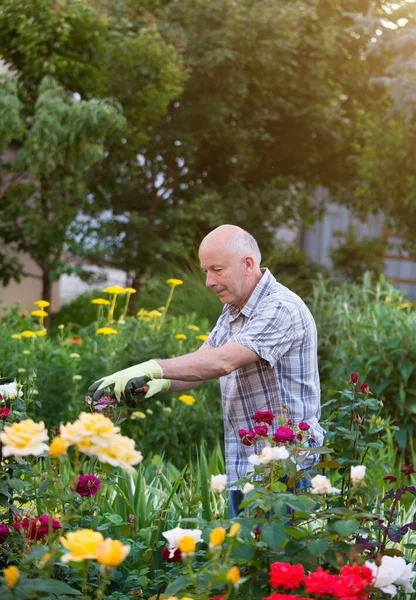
12	576
24	438
111	553
58	446
217	537
187	544
187	399
120	452
82	545
233	575
174	282
235	529
88	430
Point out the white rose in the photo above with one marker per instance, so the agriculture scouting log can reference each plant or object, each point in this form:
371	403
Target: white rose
247	488
358	473
9	391
268	455
173	536
322	485
218	483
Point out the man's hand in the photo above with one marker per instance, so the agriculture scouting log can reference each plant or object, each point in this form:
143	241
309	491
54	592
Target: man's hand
123	383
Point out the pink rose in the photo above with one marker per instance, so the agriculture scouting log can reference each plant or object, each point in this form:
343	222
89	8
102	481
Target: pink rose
283	435
303	426
261	430
263	416
246	436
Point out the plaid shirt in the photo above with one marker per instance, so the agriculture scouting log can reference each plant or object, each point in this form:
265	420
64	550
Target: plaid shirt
277	325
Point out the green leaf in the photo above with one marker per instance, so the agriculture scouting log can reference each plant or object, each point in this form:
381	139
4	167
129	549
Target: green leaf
320	450
346	528
273	534
176	586
318	547
328	464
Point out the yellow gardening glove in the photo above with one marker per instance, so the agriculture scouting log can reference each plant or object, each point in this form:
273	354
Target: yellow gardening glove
123	384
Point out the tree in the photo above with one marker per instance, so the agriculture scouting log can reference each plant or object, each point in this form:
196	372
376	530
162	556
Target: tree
44	183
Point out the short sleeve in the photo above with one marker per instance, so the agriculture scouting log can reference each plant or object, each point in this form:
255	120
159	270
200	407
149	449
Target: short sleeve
270	333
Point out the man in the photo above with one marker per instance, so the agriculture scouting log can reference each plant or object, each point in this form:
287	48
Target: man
263	348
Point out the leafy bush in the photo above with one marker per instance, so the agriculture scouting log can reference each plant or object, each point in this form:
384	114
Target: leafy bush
370	329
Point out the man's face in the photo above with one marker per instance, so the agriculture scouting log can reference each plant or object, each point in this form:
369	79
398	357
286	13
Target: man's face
226	273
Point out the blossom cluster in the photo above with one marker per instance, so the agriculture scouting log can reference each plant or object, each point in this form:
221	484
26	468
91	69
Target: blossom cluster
354	582
96	435
283	435
86	544
35	528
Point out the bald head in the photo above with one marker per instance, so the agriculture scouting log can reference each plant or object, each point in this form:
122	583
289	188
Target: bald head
233	238
231	258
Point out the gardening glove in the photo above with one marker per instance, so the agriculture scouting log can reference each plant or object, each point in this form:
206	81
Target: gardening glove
148	388
123	383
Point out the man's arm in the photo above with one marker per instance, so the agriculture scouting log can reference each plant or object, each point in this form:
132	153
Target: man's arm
207	363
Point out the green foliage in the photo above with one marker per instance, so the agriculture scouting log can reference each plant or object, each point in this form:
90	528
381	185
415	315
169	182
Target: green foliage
354	256
45	176
369	329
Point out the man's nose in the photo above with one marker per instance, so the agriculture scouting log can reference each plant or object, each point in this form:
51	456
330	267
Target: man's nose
210	280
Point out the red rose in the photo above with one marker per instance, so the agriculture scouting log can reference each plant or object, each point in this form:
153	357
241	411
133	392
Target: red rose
261	430
177	556
4	532
284	434
358	570
354	378
218	597
351	586
263	416
303	426
299	437
286	576
364	388
4	413
246	436
283	597
321	583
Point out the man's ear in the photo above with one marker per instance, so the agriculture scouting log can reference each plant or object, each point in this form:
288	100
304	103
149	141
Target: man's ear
249	262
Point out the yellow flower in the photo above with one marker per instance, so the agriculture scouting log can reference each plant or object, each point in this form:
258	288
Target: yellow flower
174	282
82	545
217	537
203	338
142	313
233	575
130	290
111	553
58	446
120	452
42	303
180	336
235	529
138	414
405	305
115	289
24	438
154	314
187	544
16	336
11	575
193	327
187	399
40	333
27	334
100	301
90	429
106	331
39	313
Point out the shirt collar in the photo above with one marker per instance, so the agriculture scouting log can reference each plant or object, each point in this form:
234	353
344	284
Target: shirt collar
262	289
